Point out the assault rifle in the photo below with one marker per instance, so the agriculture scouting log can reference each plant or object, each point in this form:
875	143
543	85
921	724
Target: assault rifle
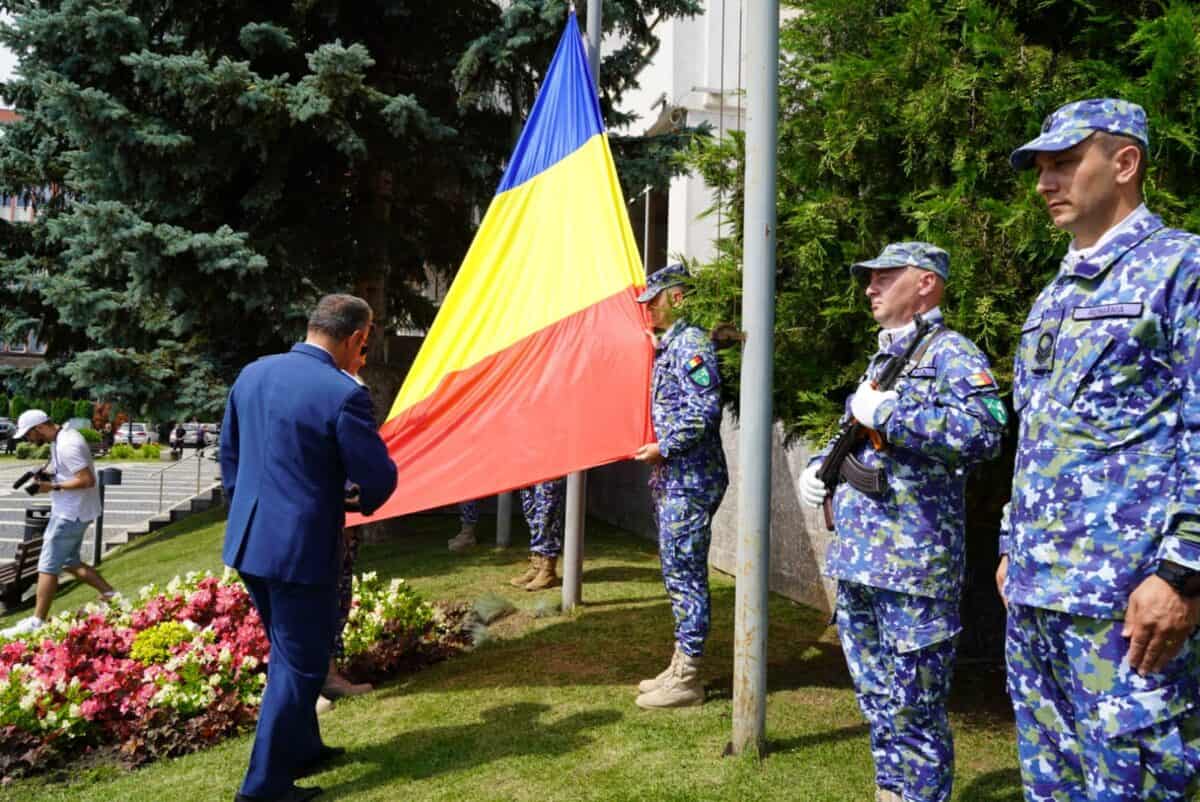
839	463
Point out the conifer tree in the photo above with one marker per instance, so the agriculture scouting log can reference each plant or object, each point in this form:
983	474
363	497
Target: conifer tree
204	170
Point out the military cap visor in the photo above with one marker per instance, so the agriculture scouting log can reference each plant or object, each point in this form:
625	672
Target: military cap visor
675	275
920	255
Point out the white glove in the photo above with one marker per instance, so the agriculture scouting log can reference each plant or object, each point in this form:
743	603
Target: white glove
871	407
812	489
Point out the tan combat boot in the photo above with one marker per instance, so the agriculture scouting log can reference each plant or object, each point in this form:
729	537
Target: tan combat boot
647	685
682	688
535	562
464	540
884	795
546	577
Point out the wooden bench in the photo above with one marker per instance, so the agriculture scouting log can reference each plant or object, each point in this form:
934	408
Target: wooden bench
19	573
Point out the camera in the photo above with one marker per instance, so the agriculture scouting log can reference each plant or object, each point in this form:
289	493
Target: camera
36	476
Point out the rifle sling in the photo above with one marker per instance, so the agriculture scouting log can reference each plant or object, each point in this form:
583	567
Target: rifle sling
872	481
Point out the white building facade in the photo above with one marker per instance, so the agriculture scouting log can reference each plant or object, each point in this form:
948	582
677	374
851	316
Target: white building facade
697	77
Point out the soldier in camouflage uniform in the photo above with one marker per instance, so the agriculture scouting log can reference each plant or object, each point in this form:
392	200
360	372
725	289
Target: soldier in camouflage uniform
688	480
899	556
543	507
1101	542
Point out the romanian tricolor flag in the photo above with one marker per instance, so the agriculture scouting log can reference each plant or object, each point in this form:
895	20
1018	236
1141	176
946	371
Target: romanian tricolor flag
539	361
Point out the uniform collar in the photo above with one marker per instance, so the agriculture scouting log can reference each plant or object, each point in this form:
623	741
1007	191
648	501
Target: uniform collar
315	351
895	339
670	334
1088	263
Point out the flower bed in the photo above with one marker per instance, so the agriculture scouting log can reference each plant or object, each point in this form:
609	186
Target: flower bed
176	669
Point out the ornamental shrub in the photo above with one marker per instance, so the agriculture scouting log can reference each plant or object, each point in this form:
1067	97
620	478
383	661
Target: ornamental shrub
380	609
25	450
122	451
155	645
84	409
61	409
148	451
17	405
90	435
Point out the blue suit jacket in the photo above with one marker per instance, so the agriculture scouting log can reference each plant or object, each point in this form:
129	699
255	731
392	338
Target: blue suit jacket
296	429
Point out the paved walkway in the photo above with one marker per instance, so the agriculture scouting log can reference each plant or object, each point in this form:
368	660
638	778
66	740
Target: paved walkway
128	507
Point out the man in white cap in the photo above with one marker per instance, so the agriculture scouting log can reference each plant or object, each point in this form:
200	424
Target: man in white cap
74	503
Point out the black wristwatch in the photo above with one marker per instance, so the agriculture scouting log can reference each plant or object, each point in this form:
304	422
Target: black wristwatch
1186	581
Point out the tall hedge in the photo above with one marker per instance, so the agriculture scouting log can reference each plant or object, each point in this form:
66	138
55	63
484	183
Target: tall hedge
896	121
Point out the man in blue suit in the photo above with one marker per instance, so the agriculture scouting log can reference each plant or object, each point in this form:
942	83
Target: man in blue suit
297	432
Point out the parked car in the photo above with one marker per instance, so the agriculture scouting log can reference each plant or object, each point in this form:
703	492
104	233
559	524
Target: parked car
194	435
7	427
135	434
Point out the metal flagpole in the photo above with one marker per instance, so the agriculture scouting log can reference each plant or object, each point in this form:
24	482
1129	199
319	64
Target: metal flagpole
757	419
576	512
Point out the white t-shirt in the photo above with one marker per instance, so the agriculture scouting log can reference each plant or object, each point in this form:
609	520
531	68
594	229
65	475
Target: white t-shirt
69	454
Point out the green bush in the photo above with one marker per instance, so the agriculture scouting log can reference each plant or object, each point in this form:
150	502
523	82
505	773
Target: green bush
91	436
148	451
122	451
155	644
4	406
25	450
41	452
17	405
84	409
61	410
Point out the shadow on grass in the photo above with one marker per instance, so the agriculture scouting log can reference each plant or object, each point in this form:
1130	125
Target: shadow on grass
1002	785
623	573
814	739
503	733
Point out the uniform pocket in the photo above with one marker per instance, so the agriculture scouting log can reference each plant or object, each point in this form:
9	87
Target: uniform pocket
1115	369
1143	744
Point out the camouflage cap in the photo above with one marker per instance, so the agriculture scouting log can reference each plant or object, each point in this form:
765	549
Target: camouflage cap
1075	122
669	276
907	254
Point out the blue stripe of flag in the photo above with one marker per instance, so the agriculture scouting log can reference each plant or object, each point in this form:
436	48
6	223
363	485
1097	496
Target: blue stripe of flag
565	115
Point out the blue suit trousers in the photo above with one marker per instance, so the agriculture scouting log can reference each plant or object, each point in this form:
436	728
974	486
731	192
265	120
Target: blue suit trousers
300	621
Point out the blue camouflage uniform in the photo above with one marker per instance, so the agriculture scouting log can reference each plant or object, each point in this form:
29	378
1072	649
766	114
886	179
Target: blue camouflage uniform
543	507
1106	484
468	512
688	485
899	558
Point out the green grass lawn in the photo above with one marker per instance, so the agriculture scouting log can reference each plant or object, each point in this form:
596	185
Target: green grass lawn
544	710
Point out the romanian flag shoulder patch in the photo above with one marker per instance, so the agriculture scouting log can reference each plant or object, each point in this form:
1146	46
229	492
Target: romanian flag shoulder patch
981	378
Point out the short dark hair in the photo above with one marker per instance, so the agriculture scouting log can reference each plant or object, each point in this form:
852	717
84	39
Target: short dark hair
339	315
1114	142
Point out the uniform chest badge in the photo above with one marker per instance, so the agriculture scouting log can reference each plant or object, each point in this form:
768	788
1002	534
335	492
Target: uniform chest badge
698	372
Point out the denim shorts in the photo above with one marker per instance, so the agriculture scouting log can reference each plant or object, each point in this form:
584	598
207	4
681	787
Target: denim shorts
60	544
